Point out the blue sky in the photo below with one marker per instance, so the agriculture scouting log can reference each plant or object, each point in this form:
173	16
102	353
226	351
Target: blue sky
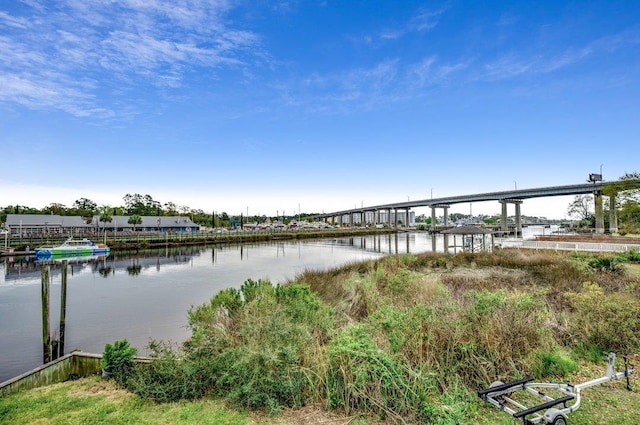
271	106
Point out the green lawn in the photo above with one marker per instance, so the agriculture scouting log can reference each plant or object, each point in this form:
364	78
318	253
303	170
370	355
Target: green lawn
96	401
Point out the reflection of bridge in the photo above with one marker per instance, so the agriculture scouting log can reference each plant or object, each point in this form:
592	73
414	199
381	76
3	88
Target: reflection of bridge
388	243
515	197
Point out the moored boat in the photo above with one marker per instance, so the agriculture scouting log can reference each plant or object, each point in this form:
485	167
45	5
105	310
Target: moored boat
73	247
71	259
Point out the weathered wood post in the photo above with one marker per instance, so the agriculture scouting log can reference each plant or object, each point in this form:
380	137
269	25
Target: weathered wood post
63	308
46	338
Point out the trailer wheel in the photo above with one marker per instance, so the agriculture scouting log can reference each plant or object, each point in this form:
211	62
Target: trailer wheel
499	398
554	417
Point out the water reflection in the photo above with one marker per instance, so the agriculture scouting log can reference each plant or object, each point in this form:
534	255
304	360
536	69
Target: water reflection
147	294
27	268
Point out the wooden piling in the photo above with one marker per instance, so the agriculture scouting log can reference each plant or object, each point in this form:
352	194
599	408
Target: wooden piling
63	308
46	338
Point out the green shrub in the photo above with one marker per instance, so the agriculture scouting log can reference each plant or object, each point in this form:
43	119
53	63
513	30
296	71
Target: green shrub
554	363
606	321
608	264
265	357
205	315
631	256
486	302
252	289
363	378
117	359
262	377
169	376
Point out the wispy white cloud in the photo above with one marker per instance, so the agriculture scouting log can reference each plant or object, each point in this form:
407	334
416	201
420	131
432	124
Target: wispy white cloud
514	65
424	20
387	81
60	55
403	78
353	88
507	67
430	72
35	92
12	21
541	61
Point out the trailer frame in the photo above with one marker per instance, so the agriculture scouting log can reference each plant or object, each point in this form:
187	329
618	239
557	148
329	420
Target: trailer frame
499	394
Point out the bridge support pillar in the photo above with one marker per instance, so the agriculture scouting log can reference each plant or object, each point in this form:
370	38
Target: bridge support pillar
518	219
433	216
599	213
503	219
613	215
433	220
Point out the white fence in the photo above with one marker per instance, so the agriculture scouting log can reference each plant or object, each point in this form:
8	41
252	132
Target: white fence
567	246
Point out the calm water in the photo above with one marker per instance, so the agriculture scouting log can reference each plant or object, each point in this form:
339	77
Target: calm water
147	296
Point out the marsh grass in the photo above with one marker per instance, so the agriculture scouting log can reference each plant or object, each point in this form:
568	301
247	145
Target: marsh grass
475	318
402	339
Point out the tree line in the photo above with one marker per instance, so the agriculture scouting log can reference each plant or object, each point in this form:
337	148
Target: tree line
627	205
136	206
582	208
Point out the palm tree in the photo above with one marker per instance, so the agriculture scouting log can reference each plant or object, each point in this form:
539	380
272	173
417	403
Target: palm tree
135	219
104	218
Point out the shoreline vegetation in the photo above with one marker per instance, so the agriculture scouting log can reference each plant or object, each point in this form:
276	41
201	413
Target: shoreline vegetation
402	339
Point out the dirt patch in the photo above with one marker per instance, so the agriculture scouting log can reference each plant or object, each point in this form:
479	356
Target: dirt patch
313	415
99	387
490	278
633	270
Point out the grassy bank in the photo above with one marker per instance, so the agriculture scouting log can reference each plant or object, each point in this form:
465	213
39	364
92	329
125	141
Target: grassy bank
96	401
406	339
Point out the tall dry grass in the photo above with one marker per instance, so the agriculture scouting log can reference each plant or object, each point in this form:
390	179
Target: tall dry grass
408	338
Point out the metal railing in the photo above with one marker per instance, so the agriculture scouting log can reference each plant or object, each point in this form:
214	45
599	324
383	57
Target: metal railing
568	246
176	238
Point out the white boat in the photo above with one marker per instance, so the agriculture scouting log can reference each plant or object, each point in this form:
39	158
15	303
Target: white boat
72	247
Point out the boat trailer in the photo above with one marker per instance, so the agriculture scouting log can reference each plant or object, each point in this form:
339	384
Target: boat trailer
500	395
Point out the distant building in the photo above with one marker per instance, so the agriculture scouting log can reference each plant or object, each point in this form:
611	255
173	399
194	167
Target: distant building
46	224
120	223
38	225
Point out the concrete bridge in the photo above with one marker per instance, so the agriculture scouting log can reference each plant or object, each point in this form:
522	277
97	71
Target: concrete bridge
385	212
